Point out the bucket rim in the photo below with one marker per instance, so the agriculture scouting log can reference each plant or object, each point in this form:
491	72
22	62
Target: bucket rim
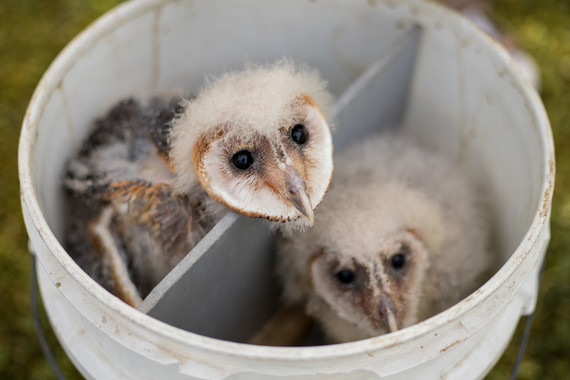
126	12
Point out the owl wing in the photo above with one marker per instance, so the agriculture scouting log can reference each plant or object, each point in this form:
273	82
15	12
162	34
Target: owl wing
172	219
143	230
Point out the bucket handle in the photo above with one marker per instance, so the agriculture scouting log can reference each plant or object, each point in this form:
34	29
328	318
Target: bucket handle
46	349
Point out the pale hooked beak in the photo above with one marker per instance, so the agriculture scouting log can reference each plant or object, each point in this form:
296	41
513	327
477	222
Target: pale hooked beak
392	323
297	193
387	309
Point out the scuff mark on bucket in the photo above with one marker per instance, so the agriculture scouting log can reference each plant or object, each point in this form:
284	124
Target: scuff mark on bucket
451	345
547	198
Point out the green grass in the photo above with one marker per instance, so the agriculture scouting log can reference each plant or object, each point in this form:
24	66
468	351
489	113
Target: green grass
33	32
543	29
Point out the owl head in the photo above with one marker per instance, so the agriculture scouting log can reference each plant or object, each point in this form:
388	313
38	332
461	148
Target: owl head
258	142
360	269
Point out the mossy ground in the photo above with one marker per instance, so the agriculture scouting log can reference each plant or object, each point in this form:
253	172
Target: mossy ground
543	29
32	32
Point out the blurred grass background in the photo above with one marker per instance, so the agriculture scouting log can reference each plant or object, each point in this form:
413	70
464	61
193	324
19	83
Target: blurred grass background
32	32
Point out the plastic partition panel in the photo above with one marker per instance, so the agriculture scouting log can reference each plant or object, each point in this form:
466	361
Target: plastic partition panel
229	290
225	287
378	98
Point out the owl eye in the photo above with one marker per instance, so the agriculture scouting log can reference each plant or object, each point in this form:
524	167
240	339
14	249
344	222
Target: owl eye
398	261
299	134
345	276
242	159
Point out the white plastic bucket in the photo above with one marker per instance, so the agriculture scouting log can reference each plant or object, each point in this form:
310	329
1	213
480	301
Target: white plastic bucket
463	96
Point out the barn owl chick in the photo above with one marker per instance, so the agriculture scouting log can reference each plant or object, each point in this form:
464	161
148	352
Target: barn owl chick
400	237
151	181
260	143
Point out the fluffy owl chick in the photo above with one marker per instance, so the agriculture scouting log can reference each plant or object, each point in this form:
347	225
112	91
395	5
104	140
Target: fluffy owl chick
400	237
258	142
151	181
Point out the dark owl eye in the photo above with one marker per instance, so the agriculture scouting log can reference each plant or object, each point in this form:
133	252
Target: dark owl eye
299	134
398	261
345	276
242	159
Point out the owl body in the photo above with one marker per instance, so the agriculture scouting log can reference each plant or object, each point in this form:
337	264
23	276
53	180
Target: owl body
152	179
401	236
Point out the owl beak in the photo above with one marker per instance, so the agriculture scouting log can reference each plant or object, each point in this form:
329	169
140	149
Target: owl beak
297	192
387	309
392	322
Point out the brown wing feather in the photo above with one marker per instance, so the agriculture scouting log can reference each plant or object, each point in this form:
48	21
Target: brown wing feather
153	228
174	223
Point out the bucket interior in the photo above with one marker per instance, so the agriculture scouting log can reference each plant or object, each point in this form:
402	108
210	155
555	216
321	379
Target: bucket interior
384	63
